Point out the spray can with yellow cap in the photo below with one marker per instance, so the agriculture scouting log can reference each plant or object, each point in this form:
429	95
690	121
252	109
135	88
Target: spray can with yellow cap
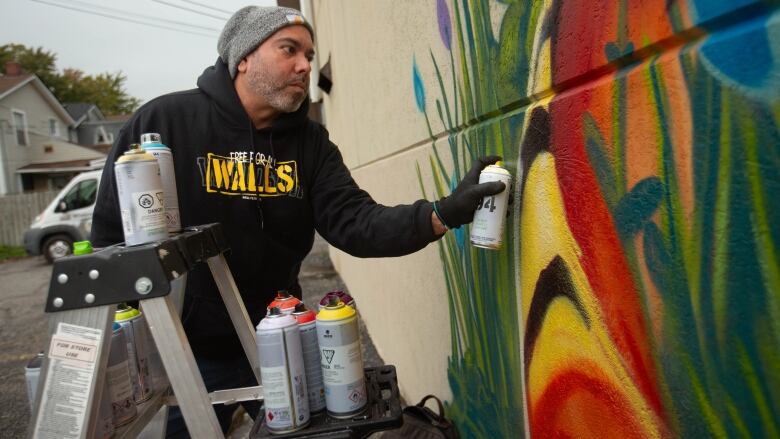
342	362
487	229
141	196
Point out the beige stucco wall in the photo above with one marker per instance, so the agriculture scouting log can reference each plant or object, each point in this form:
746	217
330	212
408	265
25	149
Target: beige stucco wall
372	117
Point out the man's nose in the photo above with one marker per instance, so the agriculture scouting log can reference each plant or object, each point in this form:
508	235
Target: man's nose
303	65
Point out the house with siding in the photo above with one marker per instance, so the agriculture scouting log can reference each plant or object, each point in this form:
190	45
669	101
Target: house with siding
91	127
36	151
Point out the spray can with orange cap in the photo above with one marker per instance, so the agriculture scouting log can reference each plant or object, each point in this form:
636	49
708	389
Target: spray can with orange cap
306	319
285	301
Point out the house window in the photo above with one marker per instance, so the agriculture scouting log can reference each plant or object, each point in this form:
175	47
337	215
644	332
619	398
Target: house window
20	127
102	136
54	128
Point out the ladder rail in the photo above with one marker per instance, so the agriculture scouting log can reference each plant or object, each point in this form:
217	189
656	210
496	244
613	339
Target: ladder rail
181	368
235	307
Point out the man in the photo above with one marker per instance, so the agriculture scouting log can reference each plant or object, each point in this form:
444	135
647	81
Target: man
247	156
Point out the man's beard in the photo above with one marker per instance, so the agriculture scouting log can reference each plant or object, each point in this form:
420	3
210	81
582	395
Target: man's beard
275	92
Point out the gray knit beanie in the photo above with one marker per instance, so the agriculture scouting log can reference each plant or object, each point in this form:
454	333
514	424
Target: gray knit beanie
249	27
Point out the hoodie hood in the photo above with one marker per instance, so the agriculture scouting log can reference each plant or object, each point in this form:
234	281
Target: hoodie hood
215	81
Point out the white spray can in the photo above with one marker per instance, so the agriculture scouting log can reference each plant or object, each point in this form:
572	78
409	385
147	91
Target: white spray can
140	192
282	373
152	143
487	229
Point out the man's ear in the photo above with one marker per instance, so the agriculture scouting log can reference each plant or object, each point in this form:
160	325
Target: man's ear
242	66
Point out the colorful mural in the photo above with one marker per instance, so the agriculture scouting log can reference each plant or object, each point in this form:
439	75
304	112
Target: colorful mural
638	292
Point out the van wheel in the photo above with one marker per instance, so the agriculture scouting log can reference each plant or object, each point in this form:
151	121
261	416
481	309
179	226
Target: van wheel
57	246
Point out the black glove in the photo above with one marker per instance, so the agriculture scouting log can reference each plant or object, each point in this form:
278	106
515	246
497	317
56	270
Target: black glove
459	207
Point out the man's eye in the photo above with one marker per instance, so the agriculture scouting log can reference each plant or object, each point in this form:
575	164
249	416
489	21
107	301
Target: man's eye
289	49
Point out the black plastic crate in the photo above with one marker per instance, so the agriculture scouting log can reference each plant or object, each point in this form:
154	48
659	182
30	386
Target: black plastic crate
383	412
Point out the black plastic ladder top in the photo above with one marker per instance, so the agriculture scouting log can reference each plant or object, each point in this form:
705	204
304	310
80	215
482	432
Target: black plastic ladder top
116	274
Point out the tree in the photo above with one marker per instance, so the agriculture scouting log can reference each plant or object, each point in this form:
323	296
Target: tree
106	90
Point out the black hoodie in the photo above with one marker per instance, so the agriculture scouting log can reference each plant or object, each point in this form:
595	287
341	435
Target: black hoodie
270	189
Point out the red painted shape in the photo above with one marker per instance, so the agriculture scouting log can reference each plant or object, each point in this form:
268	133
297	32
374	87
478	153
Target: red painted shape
602	254
575	52
575	404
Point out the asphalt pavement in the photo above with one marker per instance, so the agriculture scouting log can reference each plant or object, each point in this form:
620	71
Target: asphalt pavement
24	285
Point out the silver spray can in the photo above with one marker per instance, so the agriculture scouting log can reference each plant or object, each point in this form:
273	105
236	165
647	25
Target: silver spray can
141	197
119	387
342	360
487	229
152	143
136	332
32	373
307	323
282	373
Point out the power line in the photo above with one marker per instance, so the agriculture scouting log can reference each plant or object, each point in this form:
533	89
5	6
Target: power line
147	17
188	9
208	7
122	19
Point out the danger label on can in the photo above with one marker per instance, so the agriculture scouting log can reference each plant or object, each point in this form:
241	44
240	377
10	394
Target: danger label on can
149	211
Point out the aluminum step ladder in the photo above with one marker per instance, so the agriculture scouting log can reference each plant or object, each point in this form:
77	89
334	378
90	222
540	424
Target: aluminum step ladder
83	294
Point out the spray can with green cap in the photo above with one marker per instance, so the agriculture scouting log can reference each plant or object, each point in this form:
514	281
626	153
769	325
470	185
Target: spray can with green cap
487	229
136	332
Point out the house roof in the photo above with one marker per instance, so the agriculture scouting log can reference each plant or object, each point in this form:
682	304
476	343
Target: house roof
77	110
65	166
10	84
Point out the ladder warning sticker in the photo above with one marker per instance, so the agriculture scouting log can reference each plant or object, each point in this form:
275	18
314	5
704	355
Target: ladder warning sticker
73	353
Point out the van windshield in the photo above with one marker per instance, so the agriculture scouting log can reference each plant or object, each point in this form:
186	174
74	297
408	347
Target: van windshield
81	195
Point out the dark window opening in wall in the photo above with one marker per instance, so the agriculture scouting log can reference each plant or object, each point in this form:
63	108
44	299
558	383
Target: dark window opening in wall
28	182
101	137
20	127
47	149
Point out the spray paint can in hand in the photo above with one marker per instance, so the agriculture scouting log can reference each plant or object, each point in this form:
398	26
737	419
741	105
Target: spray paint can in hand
285	301
282	373
152	143
137	334
306	319
141	197
487	229
342	360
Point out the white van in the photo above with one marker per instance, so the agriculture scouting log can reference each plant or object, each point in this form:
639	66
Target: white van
68	218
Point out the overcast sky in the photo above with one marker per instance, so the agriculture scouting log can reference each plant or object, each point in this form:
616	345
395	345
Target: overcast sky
157	56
